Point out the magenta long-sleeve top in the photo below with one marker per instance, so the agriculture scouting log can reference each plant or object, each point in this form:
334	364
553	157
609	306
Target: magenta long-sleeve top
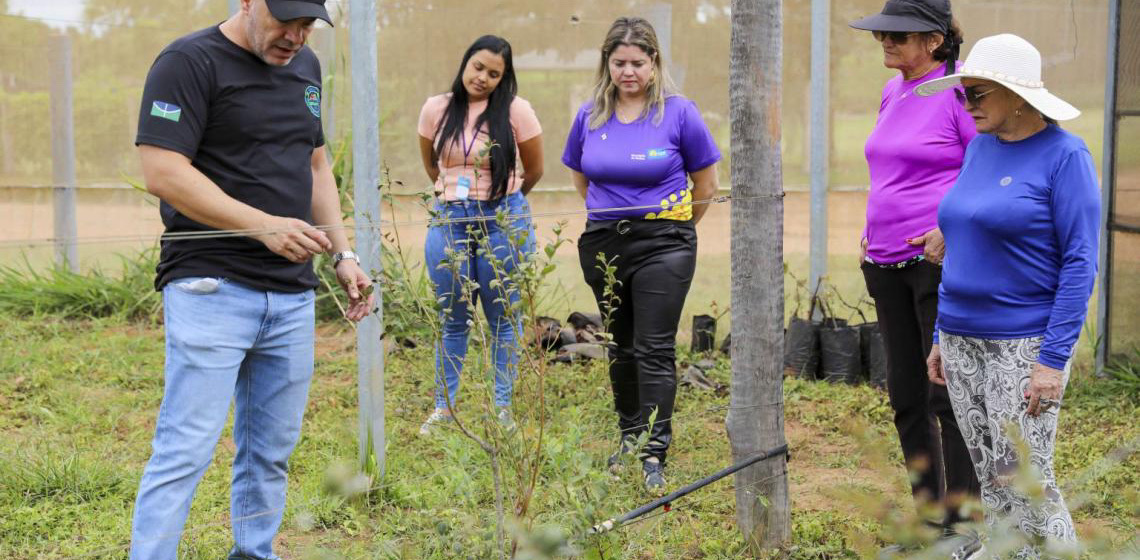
914	154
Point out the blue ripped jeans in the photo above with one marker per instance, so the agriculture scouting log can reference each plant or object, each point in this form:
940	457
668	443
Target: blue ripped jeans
509	246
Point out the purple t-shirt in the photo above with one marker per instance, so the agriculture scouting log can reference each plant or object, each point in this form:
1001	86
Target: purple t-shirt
914	153
640	163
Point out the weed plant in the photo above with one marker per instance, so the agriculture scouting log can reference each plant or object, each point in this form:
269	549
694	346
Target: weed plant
84	393
79	391
127	294
1124	373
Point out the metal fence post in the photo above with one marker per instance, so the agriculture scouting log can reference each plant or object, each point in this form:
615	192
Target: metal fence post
820	135
63	155
1108	182
660	16
365	183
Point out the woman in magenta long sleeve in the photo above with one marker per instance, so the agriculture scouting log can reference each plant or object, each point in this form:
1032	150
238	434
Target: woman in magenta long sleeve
914	154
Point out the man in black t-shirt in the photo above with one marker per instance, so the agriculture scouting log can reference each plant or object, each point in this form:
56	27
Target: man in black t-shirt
230	139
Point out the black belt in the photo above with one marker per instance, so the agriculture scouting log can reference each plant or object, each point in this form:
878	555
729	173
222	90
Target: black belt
624	226
902	264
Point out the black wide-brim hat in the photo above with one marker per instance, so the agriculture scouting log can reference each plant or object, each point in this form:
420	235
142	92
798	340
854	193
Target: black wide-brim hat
915	16
285	10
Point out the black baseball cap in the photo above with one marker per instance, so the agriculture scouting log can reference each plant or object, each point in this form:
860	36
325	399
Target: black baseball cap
285	10
909	15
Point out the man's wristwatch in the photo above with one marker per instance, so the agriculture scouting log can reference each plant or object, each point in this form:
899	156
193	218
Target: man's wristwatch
337	257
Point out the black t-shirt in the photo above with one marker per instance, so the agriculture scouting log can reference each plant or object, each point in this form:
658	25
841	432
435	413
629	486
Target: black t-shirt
251	128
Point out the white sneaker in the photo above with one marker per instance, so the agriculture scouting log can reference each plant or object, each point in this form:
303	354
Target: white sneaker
971	549
505	419
438	417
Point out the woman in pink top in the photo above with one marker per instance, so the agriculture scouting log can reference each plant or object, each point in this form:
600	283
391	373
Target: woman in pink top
914	153
482	149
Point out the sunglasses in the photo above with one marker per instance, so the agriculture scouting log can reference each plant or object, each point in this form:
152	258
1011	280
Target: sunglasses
896	37
973	96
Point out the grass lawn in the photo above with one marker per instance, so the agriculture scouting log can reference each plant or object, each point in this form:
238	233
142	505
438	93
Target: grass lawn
78	400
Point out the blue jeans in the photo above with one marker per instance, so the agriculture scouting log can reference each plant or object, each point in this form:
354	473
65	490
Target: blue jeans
226	341
508	246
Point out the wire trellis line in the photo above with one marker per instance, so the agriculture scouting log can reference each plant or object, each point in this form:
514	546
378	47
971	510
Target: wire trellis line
375	224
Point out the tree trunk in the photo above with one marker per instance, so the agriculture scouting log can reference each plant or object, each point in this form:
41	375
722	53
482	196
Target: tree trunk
756	418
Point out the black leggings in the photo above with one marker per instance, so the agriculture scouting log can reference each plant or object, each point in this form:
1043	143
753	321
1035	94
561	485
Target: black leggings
906	301
655	261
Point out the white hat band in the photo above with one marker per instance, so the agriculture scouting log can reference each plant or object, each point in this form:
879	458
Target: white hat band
1010	60
1003	77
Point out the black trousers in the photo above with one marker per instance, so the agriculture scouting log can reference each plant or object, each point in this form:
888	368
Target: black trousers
939	464
655	261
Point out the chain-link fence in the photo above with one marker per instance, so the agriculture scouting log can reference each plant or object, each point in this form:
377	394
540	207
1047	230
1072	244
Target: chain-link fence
1123	231
556	53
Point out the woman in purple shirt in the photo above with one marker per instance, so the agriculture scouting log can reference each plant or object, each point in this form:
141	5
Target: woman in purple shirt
632	151
914	154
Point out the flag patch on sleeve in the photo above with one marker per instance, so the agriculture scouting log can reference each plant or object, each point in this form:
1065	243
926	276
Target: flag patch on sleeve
164	110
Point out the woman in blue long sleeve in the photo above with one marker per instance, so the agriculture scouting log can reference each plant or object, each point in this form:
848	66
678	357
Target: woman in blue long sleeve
1021	227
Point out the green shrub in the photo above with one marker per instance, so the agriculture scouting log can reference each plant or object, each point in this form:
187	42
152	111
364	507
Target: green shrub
1124	373
70	480
129	293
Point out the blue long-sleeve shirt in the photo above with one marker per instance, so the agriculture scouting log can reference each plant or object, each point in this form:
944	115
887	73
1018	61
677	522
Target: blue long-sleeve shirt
1021	227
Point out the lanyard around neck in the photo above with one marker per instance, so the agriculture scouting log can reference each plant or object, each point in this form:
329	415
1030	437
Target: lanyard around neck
467	147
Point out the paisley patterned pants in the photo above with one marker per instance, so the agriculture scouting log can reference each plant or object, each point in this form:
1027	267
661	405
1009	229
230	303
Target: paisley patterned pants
987	380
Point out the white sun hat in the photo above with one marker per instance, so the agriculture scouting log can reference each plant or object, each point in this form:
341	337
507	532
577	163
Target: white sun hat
1012	62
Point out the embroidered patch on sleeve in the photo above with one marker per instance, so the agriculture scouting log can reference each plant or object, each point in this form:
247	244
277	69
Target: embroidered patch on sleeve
164	110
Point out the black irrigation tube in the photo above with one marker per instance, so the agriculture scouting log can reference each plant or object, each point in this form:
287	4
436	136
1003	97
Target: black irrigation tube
667	500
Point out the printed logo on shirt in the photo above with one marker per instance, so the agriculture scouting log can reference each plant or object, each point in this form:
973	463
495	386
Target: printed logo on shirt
653	153
1005	181
313	100
164	110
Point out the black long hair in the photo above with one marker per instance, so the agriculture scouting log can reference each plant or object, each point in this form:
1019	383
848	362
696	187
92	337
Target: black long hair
497	116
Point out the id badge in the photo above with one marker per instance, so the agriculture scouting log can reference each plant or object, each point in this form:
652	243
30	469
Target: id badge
463	188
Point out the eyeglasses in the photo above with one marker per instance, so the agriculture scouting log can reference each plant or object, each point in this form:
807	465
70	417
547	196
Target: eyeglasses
973	96
896	37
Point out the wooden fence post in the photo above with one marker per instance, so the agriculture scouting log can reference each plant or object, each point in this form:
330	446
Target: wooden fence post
755	419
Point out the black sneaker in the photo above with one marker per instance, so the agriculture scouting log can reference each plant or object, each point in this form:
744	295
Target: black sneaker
654	473
615	462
